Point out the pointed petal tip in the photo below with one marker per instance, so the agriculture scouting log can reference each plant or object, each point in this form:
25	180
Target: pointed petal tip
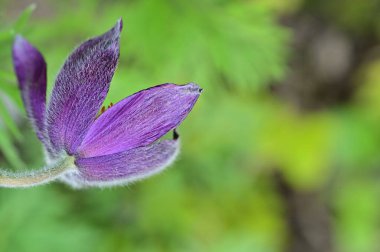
119	24
20	44
18	37
19	40
114	32
193	88
23	49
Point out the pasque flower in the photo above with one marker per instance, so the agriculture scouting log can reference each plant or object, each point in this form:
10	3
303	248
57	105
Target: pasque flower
85	145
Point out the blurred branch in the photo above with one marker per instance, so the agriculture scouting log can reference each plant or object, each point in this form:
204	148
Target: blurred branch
308	220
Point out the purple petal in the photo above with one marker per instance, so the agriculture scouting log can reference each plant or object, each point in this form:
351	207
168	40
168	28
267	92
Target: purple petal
30	68
139	119
81	88
127	166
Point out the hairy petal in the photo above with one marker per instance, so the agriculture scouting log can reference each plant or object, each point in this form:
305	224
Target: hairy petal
139	119
30	69
124	167
81	88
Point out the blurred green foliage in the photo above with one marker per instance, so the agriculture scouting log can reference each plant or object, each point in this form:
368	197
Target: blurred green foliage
221	194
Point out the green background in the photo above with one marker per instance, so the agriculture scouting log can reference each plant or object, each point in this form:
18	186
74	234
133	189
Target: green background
281	152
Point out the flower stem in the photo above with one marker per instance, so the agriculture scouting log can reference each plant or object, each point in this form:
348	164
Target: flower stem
42	176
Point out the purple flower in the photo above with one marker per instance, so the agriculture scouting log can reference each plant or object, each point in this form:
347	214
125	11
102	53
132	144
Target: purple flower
121	144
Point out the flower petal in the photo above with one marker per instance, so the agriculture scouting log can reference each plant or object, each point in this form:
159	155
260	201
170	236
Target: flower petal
81	88
139	119
127	166
30	69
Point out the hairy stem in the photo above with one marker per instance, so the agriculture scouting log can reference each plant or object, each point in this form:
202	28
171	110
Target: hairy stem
31	178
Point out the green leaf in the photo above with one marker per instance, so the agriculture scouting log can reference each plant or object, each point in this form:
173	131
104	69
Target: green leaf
6	35
9	150
8	120
23	19
6	76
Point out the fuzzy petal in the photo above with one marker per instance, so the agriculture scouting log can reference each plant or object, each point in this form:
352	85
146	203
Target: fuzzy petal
81	88
127	166
139	119
30	69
